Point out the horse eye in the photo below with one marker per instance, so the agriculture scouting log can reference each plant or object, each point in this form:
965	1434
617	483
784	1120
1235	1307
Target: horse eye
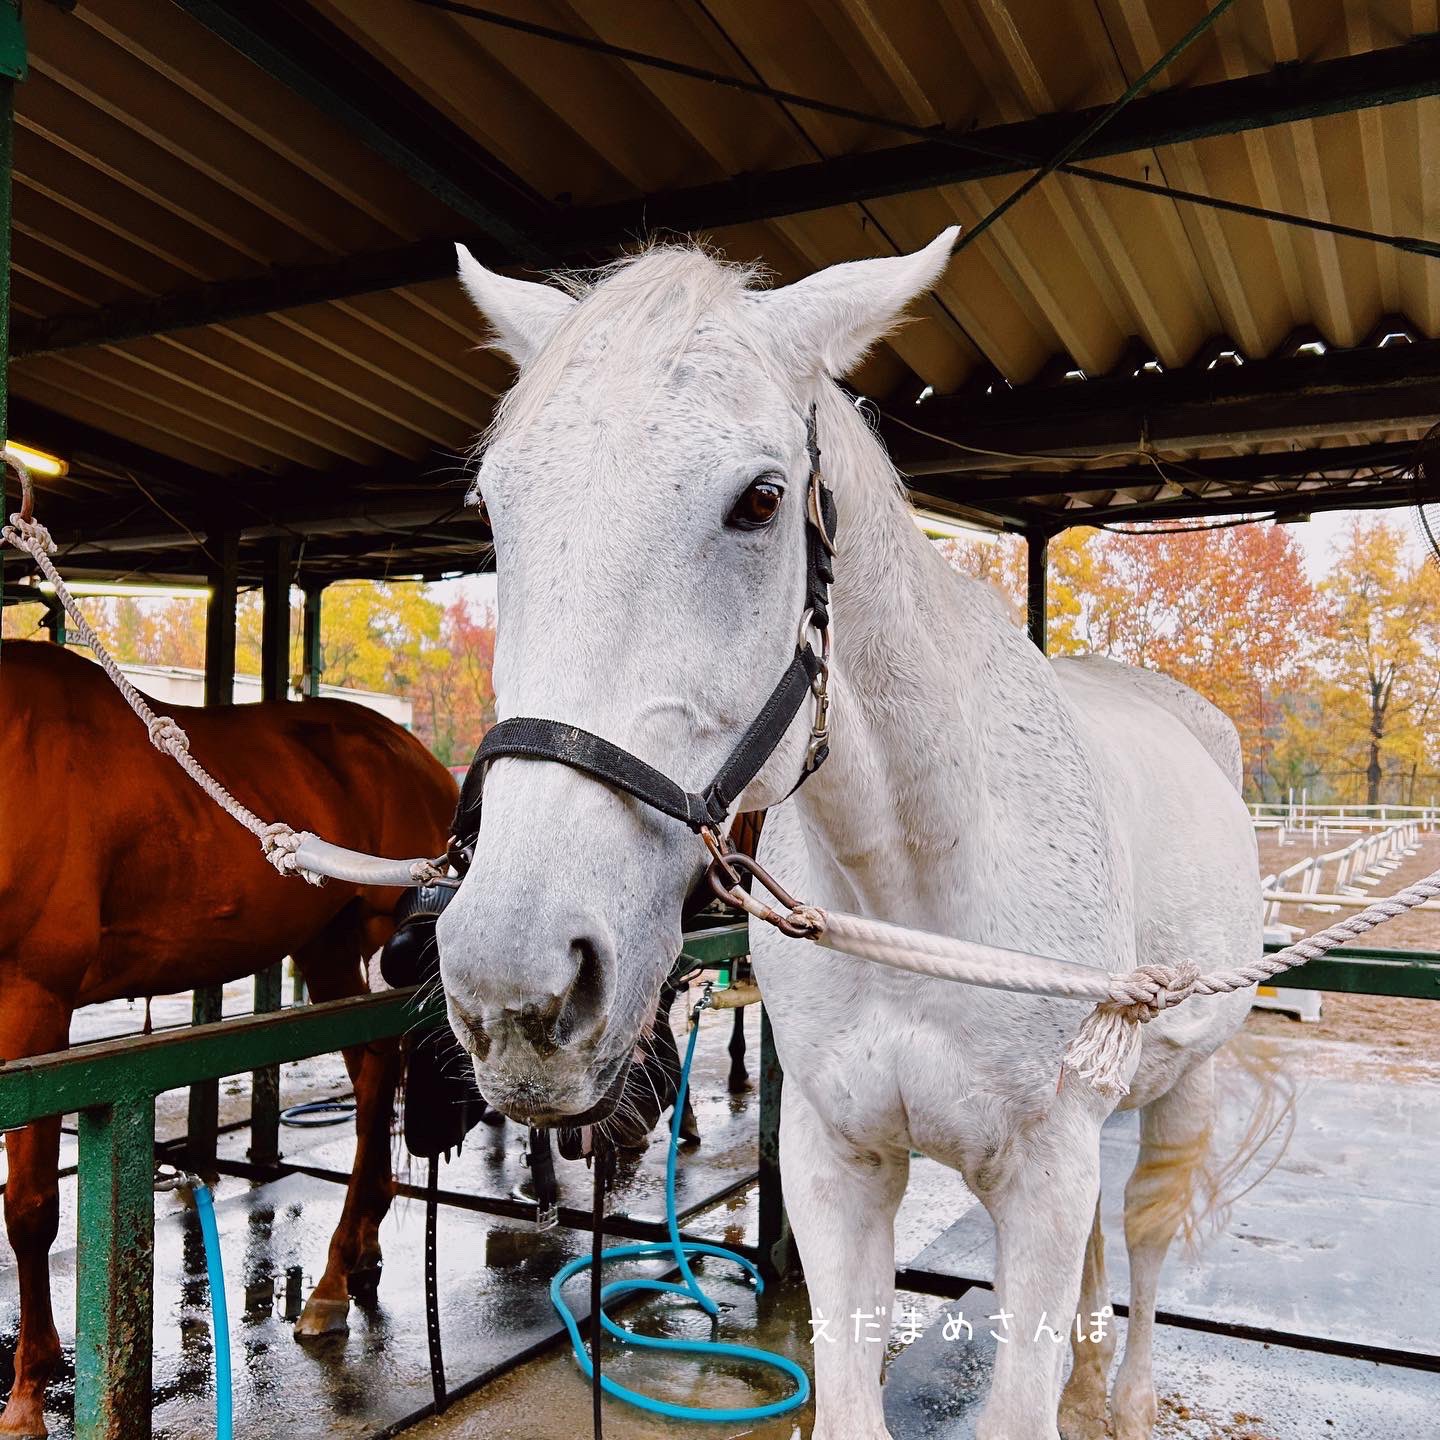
757	507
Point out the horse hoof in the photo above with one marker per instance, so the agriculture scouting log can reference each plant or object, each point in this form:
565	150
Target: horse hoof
23	1419
26	1429
322	1317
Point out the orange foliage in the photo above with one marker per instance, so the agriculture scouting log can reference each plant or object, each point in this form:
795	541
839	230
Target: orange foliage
1230	612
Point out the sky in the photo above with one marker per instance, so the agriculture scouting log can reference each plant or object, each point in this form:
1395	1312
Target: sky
1319	535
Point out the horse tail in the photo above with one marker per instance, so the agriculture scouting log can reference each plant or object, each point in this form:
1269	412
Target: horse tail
1192	1182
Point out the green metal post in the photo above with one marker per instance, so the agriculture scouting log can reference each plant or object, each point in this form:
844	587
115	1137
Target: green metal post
265	1082
207	1004
312	665
115	1270
55	622
275	621
202	1128
1037	559
269	984
224	578
777	1246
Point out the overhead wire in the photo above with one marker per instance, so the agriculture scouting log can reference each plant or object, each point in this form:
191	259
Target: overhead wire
1411	244
867	212
1078	142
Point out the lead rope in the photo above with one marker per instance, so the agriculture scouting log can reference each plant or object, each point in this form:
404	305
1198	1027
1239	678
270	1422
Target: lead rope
280	842
1108	1039
1101	1052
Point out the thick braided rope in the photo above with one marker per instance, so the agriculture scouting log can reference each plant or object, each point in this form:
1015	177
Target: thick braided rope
1109	1037
279	841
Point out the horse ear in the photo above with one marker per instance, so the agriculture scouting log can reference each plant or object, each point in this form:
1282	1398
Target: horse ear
830	319
523	313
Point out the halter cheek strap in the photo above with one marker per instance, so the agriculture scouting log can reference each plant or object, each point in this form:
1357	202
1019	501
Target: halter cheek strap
530	738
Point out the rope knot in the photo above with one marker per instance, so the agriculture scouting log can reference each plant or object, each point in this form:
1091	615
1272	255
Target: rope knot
281	845
28	534
807	920
1108	1041
427	872
1145	991
165	734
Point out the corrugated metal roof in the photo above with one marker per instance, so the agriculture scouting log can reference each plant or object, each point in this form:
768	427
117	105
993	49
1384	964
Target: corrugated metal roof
156	165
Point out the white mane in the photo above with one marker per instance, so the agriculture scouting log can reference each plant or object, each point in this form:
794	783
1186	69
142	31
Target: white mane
646	311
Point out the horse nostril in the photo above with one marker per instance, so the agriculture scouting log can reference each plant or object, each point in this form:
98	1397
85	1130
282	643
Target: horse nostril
539	1023
577	1008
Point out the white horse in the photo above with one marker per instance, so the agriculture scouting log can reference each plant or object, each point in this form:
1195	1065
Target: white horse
1076	809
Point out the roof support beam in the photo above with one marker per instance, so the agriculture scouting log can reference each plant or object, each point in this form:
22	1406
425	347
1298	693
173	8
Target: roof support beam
1379	495
321	64
1298	91
1285	94
1308	397
1327	464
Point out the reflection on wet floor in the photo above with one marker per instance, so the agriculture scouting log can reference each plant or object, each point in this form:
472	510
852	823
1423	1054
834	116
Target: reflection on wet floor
495	1273
274	1237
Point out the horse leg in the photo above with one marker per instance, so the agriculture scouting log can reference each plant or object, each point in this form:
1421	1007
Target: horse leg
331	967
1174	1137
842	1205
34	1023
1041	1190
1082	1402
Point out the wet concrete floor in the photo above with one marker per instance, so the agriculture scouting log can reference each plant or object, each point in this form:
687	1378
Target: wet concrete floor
1340	1240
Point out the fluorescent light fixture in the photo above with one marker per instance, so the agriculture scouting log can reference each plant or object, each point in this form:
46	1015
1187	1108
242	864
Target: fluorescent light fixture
938	528
135	589
38	462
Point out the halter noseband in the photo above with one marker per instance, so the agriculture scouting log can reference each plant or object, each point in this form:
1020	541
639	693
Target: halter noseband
705	811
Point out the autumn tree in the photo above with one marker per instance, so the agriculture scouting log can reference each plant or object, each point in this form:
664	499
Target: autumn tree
1002	561
460	699
1227	611
1379	659
1230	612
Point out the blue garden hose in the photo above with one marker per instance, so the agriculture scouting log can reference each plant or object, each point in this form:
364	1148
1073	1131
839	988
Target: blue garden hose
680	1251
220	1318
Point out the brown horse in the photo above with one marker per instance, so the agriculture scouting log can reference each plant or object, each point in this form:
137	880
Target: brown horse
118	877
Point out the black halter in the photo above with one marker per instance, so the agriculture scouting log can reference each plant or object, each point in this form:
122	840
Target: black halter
529	738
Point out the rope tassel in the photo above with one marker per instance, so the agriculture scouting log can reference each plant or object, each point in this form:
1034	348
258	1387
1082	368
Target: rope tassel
1105	1049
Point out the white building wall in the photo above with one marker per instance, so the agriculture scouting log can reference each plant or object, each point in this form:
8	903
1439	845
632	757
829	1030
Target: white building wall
180	685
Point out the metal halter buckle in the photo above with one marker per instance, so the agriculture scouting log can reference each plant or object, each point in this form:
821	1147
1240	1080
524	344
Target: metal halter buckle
817	512
819	688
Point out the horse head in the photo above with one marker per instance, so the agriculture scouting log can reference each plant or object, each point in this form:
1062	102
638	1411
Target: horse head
646	483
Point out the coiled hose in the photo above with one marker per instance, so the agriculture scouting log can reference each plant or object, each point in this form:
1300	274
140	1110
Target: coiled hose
680	1252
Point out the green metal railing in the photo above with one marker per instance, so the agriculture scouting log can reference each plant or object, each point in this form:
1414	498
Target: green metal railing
1361	970
113	1084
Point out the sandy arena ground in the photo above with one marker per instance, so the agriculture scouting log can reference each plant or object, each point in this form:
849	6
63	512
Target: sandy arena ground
1411	1027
